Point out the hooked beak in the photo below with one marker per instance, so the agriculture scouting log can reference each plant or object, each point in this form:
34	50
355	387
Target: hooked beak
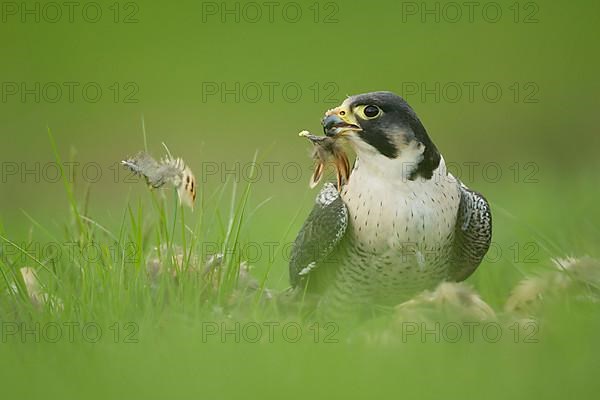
337	123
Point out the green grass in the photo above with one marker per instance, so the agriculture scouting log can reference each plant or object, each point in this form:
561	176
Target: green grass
166	335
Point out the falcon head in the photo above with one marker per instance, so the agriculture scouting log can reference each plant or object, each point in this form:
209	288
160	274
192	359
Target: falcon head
382	127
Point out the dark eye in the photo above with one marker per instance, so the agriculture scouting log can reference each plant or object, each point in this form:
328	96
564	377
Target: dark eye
371	111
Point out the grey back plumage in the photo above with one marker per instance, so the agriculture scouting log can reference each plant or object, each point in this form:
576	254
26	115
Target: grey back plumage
321	233
473	234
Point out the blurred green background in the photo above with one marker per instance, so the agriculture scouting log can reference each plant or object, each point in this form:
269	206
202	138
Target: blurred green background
190	70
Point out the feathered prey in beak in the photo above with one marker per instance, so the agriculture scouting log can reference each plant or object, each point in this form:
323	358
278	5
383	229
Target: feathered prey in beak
327	149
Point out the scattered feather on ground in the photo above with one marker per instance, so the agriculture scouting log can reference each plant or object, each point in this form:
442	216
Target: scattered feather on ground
570	278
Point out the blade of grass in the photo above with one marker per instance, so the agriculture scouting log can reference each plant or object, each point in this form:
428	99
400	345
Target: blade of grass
32	258
68	187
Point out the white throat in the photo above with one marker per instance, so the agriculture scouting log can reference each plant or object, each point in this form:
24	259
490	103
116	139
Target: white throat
372	163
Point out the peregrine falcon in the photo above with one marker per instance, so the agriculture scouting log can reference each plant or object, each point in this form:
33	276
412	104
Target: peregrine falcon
400	224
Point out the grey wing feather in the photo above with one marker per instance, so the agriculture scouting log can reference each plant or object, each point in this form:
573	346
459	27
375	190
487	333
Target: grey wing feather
320	234
473	233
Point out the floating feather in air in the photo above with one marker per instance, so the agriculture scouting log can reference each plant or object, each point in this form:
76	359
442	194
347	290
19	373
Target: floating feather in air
168	170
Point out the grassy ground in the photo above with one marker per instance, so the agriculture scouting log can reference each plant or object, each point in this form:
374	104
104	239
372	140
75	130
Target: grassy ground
131	310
